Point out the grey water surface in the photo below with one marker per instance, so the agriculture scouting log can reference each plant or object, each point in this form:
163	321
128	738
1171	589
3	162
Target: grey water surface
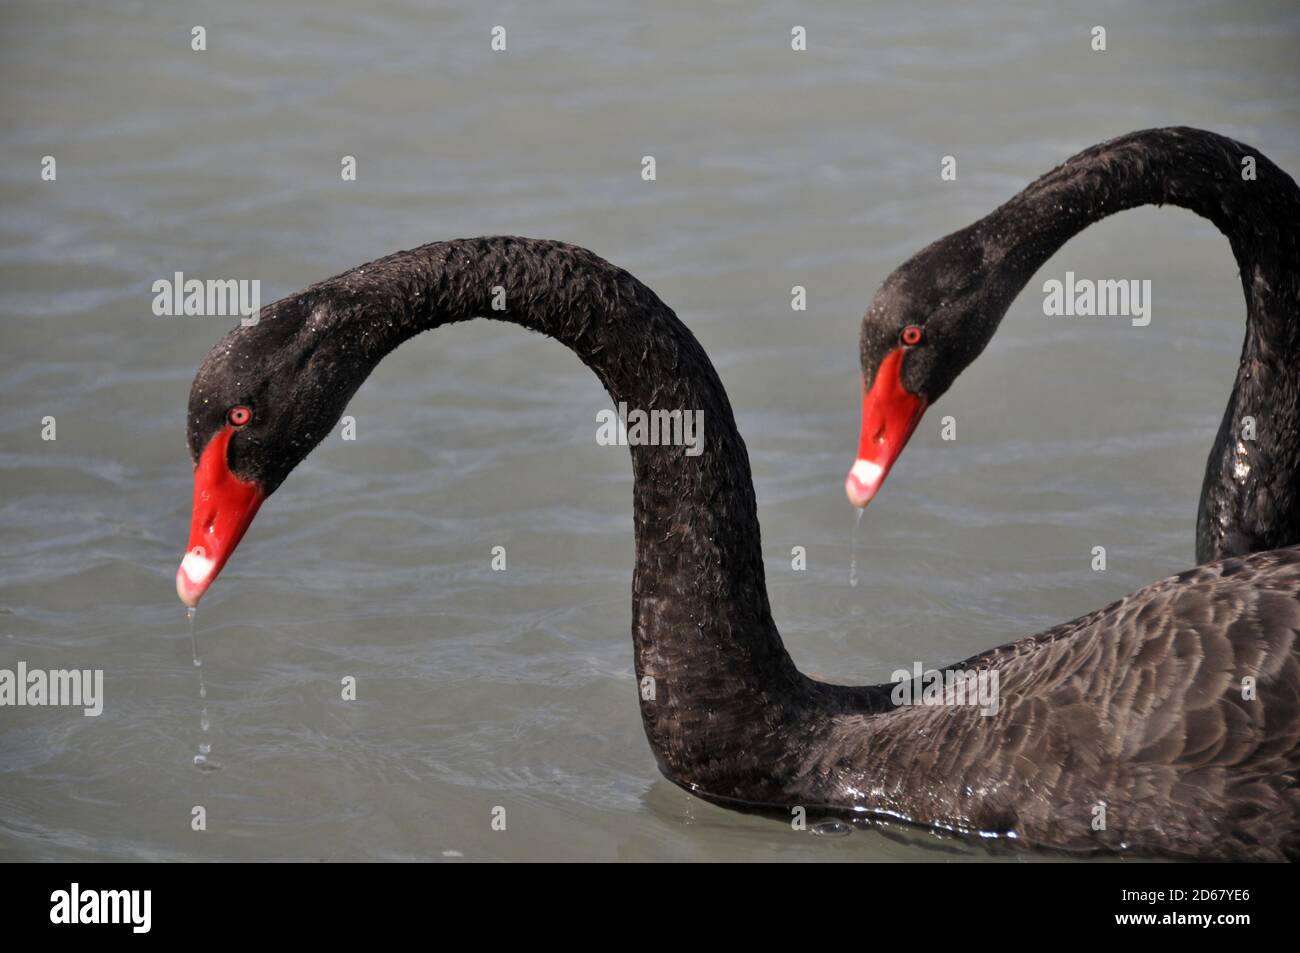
479	689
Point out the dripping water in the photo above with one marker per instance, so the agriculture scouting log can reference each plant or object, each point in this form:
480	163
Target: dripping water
202	761
853	549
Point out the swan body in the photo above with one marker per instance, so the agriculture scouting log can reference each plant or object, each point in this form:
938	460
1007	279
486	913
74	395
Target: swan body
1136	707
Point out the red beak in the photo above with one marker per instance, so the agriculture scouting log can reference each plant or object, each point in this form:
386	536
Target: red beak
224	506
889	415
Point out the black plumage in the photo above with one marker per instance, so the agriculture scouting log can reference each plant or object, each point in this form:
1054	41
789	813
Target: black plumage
1136	706
959	288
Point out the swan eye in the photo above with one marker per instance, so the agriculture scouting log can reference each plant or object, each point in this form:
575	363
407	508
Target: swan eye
239	416
911	335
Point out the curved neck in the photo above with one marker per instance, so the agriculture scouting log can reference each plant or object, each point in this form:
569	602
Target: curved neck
709	661
1249	501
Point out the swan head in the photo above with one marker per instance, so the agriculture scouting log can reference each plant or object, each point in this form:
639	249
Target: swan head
930	319
262	400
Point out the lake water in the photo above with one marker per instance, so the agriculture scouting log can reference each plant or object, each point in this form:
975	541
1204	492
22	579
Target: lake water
478	689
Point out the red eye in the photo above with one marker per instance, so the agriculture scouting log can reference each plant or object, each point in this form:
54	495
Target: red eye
239	416
912	335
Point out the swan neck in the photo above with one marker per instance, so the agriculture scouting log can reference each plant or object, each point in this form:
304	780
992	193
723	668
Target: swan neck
709	661
1236	187
1248	501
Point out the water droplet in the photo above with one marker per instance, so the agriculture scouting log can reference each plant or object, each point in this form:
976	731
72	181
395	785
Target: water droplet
205	764
201	760
853	550
832	828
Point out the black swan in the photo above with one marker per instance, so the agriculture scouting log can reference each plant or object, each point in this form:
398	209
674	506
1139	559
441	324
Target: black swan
1134	713
933	316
